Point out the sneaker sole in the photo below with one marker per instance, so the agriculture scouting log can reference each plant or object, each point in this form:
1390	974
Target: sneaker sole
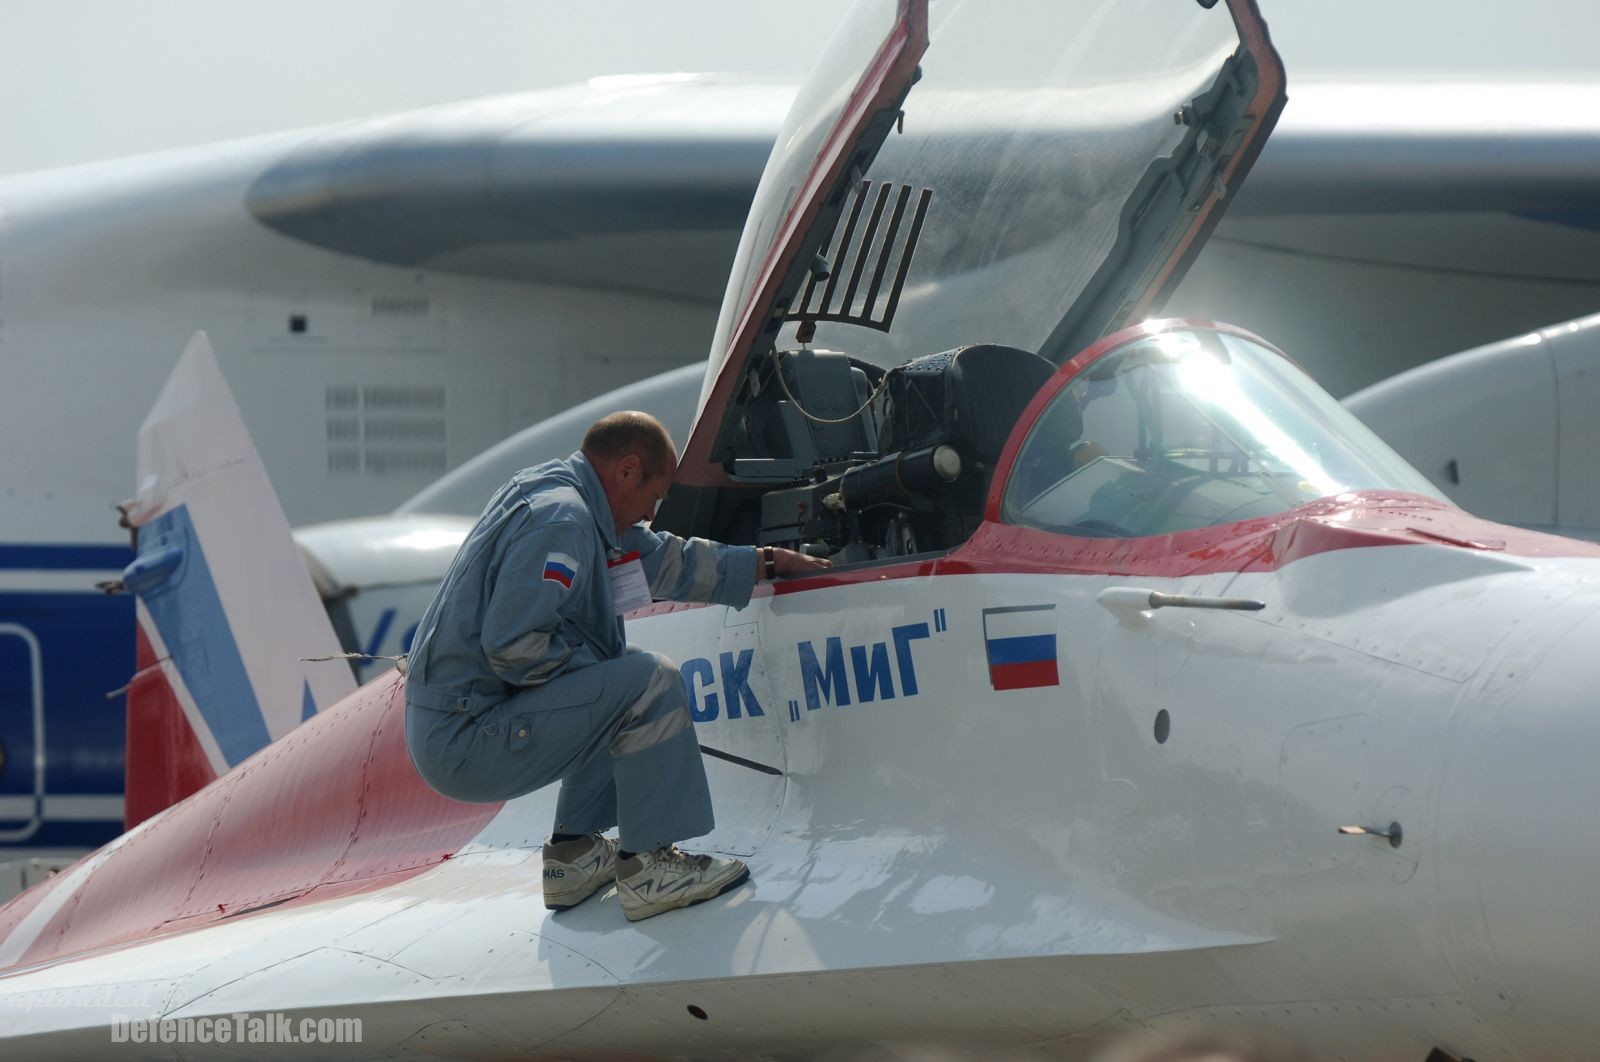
639	914
565	901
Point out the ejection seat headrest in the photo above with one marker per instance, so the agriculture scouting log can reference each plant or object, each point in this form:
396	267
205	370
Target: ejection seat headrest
988	388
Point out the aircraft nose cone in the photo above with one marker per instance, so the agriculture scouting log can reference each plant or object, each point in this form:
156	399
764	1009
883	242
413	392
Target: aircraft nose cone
1520	833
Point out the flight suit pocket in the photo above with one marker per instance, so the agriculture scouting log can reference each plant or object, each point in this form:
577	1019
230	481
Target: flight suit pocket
582	686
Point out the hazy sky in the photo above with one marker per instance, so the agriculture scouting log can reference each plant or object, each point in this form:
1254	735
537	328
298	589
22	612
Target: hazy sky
88	79
92	79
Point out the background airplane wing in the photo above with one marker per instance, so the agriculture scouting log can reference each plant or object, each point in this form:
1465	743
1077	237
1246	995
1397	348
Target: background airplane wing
1431	147
548	185
1390	224
625	183
1463	212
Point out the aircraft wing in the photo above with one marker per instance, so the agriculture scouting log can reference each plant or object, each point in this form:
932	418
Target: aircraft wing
1390	224
622	183
1430	148
1404	200
639	183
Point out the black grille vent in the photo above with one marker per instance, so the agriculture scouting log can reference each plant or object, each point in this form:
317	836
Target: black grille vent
876	236
386	430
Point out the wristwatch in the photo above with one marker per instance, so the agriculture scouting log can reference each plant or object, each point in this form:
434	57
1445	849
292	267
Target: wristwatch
771	563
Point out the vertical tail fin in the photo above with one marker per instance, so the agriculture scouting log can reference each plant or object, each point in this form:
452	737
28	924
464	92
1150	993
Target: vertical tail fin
226	609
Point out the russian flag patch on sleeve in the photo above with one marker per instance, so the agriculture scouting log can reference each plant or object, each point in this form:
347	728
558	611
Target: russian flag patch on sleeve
1021	645
560	568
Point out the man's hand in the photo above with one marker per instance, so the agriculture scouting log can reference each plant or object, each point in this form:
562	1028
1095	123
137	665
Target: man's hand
786	562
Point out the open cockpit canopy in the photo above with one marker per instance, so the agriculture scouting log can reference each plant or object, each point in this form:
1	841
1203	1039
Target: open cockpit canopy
957	203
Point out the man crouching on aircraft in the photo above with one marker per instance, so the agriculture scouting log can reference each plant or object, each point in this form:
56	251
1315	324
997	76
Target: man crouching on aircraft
519	674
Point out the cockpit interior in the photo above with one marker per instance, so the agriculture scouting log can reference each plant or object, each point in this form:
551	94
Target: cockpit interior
1173	431
880	463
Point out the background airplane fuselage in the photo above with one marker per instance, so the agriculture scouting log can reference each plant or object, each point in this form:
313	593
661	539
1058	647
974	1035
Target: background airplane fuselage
361	382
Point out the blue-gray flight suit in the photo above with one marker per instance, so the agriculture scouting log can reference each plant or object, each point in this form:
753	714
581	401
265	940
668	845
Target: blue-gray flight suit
519	674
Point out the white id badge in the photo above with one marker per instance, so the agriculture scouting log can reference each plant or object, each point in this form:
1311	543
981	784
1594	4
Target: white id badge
629	588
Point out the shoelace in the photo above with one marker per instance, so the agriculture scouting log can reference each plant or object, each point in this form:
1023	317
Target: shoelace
673	856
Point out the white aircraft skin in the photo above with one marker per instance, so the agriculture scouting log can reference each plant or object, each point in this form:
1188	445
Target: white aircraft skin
1040	866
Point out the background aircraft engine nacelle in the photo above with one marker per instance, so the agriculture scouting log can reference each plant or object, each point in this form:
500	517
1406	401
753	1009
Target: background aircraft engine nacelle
1507	431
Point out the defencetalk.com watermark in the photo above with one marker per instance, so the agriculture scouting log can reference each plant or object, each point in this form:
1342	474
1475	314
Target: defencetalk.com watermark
241	1028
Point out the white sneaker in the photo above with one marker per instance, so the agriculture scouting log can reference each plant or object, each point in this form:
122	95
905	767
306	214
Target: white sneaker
575	870
652	882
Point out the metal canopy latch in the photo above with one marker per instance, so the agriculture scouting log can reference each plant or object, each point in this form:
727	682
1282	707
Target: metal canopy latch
1393	834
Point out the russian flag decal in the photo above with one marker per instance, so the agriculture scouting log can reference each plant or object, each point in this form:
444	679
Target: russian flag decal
1021	646
560	568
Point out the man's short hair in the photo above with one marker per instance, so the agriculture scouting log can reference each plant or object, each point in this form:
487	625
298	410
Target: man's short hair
616	435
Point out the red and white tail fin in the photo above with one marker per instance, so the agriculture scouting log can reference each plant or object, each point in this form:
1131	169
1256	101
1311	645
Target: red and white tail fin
226	608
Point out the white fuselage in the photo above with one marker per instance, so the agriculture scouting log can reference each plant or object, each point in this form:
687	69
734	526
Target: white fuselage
942	862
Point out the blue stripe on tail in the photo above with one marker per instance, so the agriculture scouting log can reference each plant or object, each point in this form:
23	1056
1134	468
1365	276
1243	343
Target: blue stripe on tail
188	612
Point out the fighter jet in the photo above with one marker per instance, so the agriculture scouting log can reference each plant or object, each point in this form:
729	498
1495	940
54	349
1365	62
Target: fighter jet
1148	687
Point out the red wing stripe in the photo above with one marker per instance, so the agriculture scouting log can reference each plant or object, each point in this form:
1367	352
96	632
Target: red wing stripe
333	808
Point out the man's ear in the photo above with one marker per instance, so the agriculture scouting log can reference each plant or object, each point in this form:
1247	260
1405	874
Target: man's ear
630	468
